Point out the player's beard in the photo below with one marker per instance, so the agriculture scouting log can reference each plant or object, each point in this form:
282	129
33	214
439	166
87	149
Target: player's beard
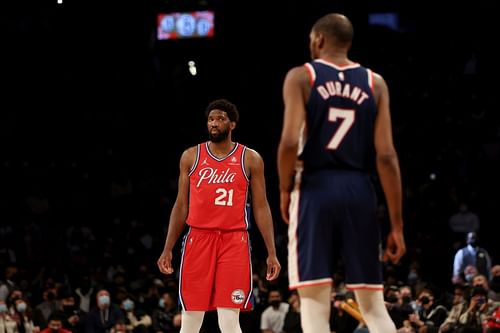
219	136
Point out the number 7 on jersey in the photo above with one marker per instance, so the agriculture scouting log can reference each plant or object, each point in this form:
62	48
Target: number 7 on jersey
347	116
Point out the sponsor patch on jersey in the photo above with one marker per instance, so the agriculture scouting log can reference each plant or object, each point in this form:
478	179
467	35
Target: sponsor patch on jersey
233	161
237	296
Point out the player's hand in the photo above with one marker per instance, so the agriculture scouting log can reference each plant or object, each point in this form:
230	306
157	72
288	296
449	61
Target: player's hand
165	262
273	268
395	247
285	206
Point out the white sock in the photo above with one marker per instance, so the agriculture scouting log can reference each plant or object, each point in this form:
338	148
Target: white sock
374	312
191	321
229	320
315	308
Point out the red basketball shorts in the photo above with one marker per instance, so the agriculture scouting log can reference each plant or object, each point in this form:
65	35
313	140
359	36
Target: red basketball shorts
215	270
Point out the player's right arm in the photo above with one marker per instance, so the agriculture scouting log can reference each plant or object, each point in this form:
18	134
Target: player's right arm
296	90
388	171
179	212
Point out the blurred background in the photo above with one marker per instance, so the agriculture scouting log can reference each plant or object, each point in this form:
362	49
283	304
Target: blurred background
96	110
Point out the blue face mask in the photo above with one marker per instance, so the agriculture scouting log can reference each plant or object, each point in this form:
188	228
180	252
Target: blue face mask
104	300
21	307
128	305
161	303
3	308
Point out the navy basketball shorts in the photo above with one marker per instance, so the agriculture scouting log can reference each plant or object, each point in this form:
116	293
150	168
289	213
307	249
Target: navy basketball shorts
333	214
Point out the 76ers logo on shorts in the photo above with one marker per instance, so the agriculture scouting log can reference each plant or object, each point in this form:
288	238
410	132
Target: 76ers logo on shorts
237	296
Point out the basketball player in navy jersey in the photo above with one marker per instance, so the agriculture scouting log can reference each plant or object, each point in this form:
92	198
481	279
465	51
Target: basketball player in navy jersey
216	180
336	132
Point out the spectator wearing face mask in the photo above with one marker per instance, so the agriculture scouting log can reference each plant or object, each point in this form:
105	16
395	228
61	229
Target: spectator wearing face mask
42	311
478	310
273	317
55	324
430	315
164	315
137	320
74	317
481	280
103	317
7	323
23	317
471	255
459	306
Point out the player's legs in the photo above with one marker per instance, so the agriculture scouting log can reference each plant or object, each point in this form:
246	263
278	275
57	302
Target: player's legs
191	321
374	312
315	308
229	320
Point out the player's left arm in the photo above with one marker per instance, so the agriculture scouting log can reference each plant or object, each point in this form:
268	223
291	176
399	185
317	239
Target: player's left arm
261	210
388	171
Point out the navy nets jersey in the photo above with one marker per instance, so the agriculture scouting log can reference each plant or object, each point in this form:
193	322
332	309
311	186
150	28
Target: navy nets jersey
340	118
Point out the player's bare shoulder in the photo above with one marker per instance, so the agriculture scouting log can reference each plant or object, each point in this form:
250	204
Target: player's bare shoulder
188	157
379	86
253	161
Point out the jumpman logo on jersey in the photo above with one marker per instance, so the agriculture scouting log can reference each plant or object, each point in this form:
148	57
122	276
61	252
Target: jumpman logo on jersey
204	162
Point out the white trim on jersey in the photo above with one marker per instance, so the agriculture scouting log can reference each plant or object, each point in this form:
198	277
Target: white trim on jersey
184	243
293	211
244	150
249	296
312	72
370	79
246	209
311	283
223	158
195	164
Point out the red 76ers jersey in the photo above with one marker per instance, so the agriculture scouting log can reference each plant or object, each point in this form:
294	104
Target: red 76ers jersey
218	190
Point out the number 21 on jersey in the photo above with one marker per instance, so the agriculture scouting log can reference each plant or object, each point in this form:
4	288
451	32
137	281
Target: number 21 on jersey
224	198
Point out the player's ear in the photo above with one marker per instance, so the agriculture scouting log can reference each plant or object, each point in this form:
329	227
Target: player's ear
320	40
233	125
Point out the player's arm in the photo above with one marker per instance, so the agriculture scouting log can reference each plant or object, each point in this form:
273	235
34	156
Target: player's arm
295	94
388	171
261	210
179	211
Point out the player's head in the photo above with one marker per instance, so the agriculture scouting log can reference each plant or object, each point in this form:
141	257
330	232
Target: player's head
332	31
222	117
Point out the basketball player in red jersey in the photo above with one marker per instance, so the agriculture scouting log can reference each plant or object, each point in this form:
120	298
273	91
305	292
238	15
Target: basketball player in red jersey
215	182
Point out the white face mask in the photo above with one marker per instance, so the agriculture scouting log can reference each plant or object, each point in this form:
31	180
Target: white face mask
104	300
469	277
21	307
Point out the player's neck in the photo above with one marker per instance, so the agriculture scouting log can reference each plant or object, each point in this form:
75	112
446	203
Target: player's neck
221	149
338	58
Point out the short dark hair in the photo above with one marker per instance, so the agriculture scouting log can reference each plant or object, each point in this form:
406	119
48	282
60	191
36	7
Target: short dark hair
226	106
335	26
57	315
479	290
